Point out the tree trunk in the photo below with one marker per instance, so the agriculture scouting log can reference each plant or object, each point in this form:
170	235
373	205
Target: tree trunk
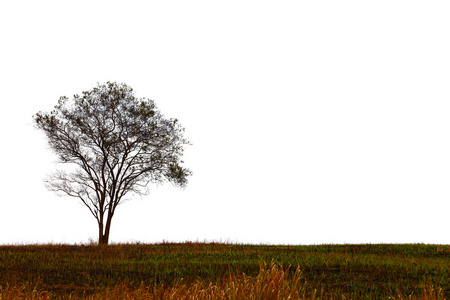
103	236
105	239
100	234
107	229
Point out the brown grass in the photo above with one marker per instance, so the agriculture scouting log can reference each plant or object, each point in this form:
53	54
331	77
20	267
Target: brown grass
272	282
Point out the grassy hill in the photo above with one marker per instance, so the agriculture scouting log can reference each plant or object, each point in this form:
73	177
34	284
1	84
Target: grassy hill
157	271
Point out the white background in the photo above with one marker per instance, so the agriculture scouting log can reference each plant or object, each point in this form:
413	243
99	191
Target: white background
311	121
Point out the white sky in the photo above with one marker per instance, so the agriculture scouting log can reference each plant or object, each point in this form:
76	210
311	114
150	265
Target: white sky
312	121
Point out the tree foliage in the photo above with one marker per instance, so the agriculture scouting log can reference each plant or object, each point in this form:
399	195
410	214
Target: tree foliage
116	144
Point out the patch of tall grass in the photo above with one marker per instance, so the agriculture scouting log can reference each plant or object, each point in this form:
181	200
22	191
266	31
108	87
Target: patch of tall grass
368	271
272	282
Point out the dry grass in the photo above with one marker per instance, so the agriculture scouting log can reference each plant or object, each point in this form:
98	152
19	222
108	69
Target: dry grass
272	282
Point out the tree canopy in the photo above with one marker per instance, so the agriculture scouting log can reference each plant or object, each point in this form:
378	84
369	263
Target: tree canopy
112	143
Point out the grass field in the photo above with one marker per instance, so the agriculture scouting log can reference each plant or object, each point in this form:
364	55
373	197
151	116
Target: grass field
225	271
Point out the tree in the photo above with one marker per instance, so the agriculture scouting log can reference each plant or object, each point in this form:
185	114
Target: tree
111	143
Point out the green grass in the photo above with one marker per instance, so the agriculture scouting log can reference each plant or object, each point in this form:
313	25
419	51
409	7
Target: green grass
370	271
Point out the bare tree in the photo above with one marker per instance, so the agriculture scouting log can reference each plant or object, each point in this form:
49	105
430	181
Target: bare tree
112	143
